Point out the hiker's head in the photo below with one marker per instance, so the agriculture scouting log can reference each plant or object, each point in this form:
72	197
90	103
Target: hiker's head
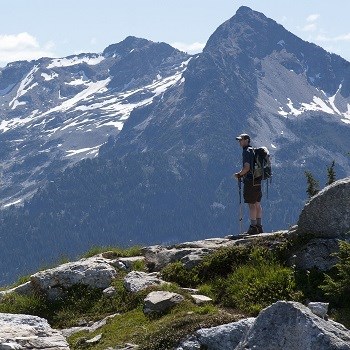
244	139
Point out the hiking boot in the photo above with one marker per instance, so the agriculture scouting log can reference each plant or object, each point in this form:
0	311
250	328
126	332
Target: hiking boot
260	228
253	230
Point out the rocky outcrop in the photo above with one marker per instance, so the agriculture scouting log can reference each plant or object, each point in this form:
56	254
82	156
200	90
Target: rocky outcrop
192	253
29	332
327	214
283	325
159	302
94	272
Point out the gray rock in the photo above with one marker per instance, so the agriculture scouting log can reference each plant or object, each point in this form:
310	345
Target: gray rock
327	214
67	332
283	325
110	291
201	299
29	332
222	337
23	289
94	272
129	261
317	253
190	253
158	302
292	326
135	281
318	308
94	340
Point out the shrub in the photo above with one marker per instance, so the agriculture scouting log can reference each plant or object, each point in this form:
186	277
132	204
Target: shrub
337	287
177	273
259	283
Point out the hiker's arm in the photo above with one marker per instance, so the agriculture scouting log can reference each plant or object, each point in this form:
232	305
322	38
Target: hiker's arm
244	171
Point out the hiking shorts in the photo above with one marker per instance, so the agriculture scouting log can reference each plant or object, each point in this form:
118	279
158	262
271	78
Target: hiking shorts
251	192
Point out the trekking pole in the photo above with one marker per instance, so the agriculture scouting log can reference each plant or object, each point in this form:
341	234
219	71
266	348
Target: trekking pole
240	205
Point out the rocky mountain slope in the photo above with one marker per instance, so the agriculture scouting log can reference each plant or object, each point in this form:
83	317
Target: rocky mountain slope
245	292
166	175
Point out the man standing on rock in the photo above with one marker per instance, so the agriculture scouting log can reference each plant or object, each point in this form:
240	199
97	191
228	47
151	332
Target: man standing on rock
251	188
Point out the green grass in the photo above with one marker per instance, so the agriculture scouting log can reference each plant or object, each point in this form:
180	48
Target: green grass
156	333
244	279
117	251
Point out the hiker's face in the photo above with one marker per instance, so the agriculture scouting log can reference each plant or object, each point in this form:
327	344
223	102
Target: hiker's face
243	143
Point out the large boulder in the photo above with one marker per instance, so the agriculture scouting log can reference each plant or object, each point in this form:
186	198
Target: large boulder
327	214
161	301
94	272
226	336
29	332
283	325
136	281
293	326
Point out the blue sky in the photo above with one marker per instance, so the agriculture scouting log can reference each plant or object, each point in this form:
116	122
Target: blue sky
30	29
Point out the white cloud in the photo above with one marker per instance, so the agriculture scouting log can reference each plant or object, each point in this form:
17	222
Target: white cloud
343	37
189	48
312	18
22	46
310	27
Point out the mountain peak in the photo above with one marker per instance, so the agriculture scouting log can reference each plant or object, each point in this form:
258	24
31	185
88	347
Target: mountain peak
125	46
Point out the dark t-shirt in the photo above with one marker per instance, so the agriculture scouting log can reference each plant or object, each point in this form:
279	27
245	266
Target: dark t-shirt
248	157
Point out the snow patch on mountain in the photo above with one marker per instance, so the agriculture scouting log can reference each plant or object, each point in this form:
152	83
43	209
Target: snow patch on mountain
326	105
24	87
71	61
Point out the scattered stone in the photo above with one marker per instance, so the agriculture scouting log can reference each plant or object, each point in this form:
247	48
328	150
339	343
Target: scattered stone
94	340
110	291
92	328
201	299
159	302
135	281
29	332
327	214
93	272
190	290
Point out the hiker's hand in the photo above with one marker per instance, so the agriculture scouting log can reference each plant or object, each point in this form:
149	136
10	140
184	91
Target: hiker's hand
237	175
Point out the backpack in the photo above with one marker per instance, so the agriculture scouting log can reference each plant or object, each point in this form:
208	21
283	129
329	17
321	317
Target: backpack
262	164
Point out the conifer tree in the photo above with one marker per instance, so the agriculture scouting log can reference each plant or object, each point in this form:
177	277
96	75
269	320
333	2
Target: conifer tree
330	173
312	184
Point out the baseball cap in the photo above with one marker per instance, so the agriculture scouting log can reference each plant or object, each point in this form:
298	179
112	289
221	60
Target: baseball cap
243	137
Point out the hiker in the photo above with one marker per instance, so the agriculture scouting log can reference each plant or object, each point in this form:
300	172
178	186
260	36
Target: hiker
252	187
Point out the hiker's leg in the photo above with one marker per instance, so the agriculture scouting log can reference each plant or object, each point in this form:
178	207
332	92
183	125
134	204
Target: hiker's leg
258	217
258	211
252	213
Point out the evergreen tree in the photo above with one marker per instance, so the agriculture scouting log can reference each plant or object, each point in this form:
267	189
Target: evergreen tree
312	184
330	173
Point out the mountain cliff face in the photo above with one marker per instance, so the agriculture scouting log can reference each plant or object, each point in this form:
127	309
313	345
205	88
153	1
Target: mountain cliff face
164	175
